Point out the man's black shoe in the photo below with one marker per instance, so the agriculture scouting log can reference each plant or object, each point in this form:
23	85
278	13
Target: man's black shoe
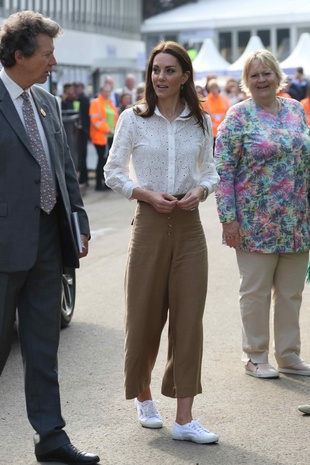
70	455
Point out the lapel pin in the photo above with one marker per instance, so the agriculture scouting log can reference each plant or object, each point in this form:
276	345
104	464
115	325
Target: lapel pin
42	112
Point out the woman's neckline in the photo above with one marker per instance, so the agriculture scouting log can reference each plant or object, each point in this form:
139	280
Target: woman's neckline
172	115
274	111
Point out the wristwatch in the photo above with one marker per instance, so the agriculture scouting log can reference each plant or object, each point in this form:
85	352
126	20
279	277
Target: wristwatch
204	194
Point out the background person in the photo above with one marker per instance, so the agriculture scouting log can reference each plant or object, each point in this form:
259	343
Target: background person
83	133
125	102
168	139
39	190
69	99
306	105
200	92
215	104
70	108
103	117
300	83
232	91
130	85
114	96
140	90
262	156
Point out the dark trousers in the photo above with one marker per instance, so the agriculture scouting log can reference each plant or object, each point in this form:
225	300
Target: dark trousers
37	295
82	154
101	152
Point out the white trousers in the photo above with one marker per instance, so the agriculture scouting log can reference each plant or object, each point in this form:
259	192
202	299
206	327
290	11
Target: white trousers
276	277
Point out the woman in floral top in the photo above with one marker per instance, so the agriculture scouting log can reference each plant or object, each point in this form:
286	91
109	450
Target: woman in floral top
262	156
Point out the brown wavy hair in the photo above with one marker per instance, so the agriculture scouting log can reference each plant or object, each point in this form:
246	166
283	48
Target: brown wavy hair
187	91
19	32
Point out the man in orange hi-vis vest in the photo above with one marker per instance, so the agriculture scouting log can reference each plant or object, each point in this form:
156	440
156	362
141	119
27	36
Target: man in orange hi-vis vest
103	117
215	104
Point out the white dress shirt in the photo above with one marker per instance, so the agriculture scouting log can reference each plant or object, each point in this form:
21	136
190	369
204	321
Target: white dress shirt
15	92
160	156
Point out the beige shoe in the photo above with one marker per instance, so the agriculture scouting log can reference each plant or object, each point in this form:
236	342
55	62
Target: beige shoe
304	409
301	368
261	370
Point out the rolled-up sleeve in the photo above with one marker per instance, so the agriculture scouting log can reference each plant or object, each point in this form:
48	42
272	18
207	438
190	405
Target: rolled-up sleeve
117	168
209	176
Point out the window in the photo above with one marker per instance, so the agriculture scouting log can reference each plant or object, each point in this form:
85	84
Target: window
283	44
243	39
225	45
264	35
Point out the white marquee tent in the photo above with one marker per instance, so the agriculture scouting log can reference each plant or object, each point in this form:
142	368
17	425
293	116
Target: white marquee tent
209	60
300	56
254	43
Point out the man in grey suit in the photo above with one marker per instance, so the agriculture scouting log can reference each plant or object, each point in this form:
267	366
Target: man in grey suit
38	192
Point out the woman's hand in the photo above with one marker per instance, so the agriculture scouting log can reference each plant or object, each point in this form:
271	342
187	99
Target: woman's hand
191	200
162	202
232	234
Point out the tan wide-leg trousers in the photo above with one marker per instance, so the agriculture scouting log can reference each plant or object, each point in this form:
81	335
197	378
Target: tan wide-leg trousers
167	269
279	277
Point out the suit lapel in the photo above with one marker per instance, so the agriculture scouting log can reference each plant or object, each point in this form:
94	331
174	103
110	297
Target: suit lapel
45	117
7	108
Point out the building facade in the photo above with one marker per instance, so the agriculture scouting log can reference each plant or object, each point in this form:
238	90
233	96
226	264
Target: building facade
231	23
99	37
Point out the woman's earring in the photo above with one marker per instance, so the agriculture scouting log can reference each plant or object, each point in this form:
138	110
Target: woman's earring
182	87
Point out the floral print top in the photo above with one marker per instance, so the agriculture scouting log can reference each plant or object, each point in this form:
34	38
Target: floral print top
263	162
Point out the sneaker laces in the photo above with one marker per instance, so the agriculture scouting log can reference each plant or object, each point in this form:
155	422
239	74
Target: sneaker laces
197	426
150	409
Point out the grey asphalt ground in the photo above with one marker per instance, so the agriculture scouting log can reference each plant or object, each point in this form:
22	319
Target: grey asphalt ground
257	420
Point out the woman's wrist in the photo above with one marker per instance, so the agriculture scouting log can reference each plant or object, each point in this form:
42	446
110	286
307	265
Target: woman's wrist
204	194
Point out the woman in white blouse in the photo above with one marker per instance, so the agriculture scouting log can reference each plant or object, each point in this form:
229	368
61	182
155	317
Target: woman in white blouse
162	157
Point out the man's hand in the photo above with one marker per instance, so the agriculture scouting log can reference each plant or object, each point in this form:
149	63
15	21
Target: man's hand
84	246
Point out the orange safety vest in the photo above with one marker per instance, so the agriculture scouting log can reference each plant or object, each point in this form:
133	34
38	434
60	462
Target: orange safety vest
283	94
306	104
99	127
217	108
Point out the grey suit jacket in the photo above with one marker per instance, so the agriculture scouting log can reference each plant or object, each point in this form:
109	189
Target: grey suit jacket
20	185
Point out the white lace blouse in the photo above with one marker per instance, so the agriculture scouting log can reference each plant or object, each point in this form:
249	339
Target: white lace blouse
160	156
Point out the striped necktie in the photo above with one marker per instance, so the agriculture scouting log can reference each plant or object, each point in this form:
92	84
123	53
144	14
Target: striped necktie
47	190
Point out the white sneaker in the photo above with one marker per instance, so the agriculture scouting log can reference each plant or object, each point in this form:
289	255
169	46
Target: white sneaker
148	414
193	431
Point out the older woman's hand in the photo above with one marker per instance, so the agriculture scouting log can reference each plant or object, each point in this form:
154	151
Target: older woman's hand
232	234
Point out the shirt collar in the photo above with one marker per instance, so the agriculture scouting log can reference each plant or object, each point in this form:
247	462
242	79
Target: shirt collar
184	113
13	89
